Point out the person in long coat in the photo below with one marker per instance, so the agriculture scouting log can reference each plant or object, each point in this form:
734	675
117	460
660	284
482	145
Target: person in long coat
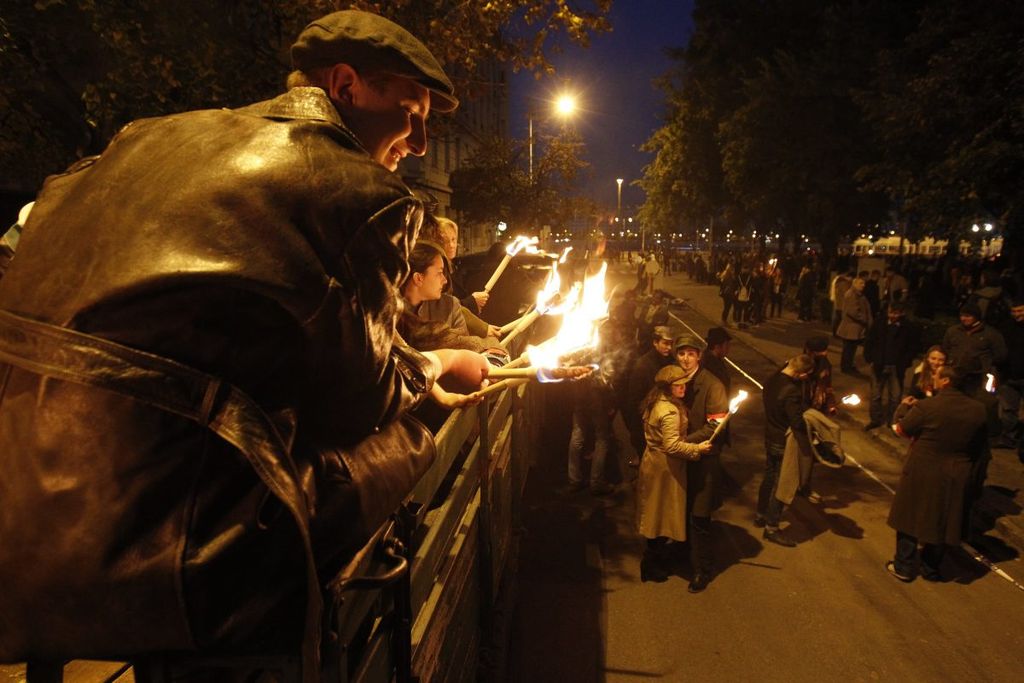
949	435
661	486
854	325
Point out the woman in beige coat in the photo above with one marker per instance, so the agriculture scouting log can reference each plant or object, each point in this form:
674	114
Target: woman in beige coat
661	486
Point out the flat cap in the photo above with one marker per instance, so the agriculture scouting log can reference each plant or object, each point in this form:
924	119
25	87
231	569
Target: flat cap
685	340
369	40
670	374
663	332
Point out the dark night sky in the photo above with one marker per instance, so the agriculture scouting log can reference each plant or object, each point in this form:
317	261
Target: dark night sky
613	79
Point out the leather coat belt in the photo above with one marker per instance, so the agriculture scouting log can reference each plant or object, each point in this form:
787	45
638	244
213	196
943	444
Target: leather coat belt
73	356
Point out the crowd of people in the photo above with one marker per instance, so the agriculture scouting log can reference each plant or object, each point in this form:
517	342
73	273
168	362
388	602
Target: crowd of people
673	391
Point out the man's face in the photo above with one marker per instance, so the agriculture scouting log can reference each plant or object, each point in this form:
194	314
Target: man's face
1018	313
968	320
688	359
895	317
389	118
858	285
663	346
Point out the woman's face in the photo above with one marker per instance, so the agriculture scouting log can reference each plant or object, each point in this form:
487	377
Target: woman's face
433	281
936	359
678	389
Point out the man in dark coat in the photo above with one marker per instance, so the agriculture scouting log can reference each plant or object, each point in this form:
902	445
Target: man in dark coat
706	404
974	342
641	381
890	347
713	358
198	339
1011	379
783	411
930	506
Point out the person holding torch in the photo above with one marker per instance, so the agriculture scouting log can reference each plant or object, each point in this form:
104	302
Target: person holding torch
706	404
661	486
783	411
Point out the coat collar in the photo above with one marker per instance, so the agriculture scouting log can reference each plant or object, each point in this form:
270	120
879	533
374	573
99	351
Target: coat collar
301	104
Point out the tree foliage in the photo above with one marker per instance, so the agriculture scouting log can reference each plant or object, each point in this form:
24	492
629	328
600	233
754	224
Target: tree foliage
948	109
72	72
819	116
493	185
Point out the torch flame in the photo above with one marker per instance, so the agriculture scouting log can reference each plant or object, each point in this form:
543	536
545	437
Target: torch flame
579	329
565	254
550	290
850	400
519	243
990	382
740	397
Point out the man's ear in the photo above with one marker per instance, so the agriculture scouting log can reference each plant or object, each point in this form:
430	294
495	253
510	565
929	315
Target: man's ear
341	79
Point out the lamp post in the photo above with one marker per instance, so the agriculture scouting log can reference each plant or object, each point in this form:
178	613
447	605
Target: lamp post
565	105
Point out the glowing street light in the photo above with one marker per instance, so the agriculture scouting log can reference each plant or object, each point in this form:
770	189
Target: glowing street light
565	106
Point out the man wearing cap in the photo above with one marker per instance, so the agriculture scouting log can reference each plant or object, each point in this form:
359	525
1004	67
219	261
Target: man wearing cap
198	332
890	347
706	403
641	380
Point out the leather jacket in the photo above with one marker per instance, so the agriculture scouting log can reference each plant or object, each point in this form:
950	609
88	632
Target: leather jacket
258	249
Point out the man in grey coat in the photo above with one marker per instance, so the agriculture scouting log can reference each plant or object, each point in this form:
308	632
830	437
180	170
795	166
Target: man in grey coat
854	325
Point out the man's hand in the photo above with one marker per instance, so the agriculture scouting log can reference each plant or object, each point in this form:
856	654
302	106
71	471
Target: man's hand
704	447
493	331
451	401
481	299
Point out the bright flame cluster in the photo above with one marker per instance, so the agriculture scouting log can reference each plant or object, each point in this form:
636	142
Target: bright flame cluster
734	404
522	242
583	313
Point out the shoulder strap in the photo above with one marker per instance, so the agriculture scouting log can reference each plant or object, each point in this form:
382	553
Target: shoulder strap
227	411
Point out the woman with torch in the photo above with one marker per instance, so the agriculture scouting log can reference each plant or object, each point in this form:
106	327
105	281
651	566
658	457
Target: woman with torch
661	486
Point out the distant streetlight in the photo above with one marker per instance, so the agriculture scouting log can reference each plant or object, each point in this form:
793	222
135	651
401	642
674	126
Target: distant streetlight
565	106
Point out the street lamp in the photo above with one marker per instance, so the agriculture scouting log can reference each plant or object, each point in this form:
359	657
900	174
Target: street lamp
565	106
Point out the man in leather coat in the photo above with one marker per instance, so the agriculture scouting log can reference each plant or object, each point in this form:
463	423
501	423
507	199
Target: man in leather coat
202	397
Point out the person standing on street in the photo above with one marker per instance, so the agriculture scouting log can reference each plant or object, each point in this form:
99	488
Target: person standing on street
640	382
706	404
948	435
890	347
974	343
783	411
837	295
652	269
1011	380
805	284
713	358
854	325
727	290
592	410
661	485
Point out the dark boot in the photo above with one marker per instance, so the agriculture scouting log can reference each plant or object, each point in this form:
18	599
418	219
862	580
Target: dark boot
700	553
654	566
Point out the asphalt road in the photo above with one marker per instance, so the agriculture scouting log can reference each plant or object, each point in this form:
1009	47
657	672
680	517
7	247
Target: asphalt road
824	611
